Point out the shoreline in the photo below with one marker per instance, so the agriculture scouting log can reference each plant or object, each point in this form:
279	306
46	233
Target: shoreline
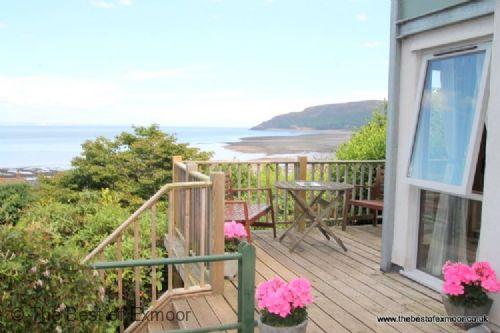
315	142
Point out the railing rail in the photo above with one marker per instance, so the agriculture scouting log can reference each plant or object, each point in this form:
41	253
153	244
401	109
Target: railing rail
246	282
265	173
183	213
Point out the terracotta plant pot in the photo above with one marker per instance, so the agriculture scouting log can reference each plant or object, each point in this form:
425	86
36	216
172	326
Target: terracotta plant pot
230	268
300	328
456	310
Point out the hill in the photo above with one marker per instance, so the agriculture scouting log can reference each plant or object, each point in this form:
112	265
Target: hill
329	116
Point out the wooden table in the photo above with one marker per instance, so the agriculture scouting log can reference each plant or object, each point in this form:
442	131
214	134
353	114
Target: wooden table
318	189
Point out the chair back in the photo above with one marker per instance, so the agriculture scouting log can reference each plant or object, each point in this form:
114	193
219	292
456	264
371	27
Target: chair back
378	187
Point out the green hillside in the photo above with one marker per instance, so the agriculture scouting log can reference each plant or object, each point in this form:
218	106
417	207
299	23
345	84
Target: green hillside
329	116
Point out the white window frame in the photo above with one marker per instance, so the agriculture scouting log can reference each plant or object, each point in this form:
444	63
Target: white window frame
477	126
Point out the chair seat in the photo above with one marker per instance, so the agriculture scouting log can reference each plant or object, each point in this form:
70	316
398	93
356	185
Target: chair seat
237	213
372	204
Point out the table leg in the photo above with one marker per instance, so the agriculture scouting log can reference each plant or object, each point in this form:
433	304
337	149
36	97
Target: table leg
303	207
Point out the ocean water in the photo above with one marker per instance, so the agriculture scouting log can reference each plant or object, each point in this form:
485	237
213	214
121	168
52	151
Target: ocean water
55	146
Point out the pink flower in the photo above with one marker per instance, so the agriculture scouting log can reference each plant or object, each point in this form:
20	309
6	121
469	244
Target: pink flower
234	230
484	270
281	298
459	275
454	289
491	285
301	292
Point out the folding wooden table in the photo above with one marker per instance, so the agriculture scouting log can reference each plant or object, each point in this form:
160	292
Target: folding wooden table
318	189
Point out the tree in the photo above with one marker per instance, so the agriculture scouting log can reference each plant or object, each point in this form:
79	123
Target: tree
368	143
13	199
137	163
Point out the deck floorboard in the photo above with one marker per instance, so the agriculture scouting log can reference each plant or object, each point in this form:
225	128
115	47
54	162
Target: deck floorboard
349	289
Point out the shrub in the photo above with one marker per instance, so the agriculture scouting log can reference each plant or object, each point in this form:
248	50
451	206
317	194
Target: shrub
137	163
13	199
44	287
368	143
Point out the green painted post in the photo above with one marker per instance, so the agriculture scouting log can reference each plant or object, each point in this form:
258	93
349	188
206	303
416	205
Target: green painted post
246	287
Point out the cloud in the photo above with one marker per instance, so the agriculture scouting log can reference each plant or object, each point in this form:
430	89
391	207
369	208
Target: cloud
45	92
167	73
361	17
372	44
2	25
109	4
164	73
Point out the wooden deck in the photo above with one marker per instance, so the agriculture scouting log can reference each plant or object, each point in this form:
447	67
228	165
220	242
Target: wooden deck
349	290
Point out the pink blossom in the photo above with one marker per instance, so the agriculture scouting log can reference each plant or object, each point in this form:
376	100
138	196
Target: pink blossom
234	230
301	292
459	275
281	298
454	289
484	270
491	285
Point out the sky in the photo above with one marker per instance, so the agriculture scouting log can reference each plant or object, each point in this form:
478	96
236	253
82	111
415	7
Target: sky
187	62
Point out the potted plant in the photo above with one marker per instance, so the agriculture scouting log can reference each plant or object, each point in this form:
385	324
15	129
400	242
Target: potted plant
466	290
283	305
234	233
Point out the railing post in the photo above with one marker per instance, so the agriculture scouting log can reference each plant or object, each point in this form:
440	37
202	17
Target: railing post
175	159
246	287
302	175
217	232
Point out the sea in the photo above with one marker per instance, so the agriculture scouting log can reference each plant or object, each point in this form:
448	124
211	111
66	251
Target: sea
53	147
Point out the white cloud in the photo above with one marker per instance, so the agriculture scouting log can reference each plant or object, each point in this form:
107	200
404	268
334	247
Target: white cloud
167	73
372	44
361	17
73	100
109	4
2	25
125	2
47	92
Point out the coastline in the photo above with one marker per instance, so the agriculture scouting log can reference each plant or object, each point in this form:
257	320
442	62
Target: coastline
316	142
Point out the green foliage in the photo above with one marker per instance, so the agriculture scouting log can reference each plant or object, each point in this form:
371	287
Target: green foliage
43	285
368	143
296	317
13	199
473	296
231	245
137	163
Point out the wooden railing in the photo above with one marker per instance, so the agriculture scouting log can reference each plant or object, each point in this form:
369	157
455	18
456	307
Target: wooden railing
246	283
266	173
186	214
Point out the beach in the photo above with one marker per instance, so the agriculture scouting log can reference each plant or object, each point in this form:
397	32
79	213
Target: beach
322	142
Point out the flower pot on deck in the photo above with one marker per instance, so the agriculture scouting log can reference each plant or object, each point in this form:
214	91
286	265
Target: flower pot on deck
461	311
230	268
300	328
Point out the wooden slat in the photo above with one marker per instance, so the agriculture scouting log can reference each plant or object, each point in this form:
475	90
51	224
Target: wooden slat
153	253
137	270
203	228
186	267
170	249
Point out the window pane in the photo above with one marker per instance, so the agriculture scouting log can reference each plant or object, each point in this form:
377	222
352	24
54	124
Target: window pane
445	119
449	230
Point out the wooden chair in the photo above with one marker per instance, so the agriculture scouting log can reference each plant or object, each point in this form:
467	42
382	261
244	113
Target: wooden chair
376	204
246	212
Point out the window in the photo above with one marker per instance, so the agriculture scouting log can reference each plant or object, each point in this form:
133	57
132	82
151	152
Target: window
450	121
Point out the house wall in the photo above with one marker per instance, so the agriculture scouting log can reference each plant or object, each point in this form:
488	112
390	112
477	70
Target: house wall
411	8
406	202
489	245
